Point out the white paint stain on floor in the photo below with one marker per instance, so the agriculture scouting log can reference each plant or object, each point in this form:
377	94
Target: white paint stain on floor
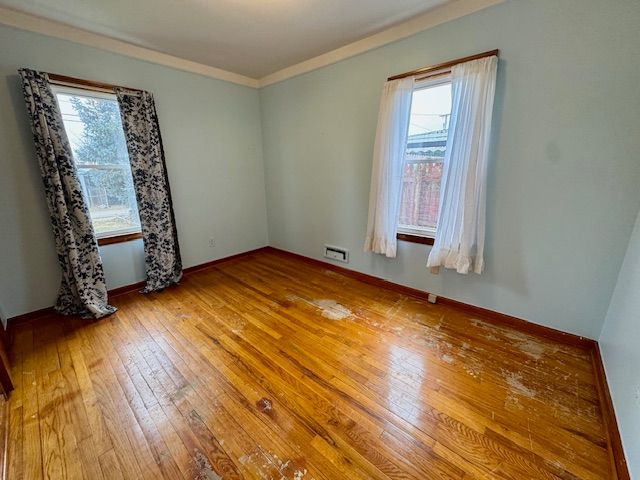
299	474
473	369
266	463
537	350
332	309
514	380
447	358
531	346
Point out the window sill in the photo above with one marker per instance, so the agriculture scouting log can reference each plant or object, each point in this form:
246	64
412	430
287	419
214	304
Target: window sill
127	237
406	237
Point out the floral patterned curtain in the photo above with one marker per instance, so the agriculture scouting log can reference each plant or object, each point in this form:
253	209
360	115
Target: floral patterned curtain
142	132
83	290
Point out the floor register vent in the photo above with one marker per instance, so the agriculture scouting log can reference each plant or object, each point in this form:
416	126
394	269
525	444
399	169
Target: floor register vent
336	253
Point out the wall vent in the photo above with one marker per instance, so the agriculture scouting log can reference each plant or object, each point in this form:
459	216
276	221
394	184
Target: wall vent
336	253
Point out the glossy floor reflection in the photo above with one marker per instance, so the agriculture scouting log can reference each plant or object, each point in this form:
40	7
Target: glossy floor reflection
266	367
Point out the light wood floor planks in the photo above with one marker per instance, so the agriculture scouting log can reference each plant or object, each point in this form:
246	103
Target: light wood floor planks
266	367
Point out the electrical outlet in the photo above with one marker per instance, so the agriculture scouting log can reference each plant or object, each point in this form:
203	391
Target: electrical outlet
212	242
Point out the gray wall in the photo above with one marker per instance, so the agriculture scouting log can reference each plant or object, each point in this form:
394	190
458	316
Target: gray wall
212	139
563	188
620	345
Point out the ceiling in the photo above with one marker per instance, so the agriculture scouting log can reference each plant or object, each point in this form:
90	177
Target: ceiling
248	37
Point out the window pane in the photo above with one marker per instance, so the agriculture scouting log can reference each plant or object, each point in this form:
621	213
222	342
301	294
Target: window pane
426	146
99	149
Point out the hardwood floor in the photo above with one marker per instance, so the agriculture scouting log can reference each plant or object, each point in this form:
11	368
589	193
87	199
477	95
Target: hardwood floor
266	367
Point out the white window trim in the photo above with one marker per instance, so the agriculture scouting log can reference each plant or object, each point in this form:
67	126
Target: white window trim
118	233
433	81
81	92
418	232
430	82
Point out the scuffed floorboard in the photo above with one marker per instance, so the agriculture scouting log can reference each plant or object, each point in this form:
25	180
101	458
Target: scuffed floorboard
266	367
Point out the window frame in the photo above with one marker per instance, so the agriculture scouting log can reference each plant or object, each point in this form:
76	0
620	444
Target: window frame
113	236
407	233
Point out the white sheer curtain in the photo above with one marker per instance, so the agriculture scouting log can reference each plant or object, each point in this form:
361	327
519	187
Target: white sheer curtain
459	242
388	161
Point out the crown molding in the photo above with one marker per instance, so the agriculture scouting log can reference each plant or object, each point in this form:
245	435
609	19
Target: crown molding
51	28
437	16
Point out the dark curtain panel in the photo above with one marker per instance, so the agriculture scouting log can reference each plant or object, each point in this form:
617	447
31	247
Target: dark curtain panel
83	290
142	132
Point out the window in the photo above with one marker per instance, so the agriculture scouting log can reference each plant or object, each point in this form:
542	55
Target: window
424	157
92	122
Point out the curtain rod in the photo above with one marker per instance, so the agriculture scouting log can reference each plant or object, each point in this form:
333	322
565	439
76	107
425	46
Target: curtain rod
442	66
85	84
